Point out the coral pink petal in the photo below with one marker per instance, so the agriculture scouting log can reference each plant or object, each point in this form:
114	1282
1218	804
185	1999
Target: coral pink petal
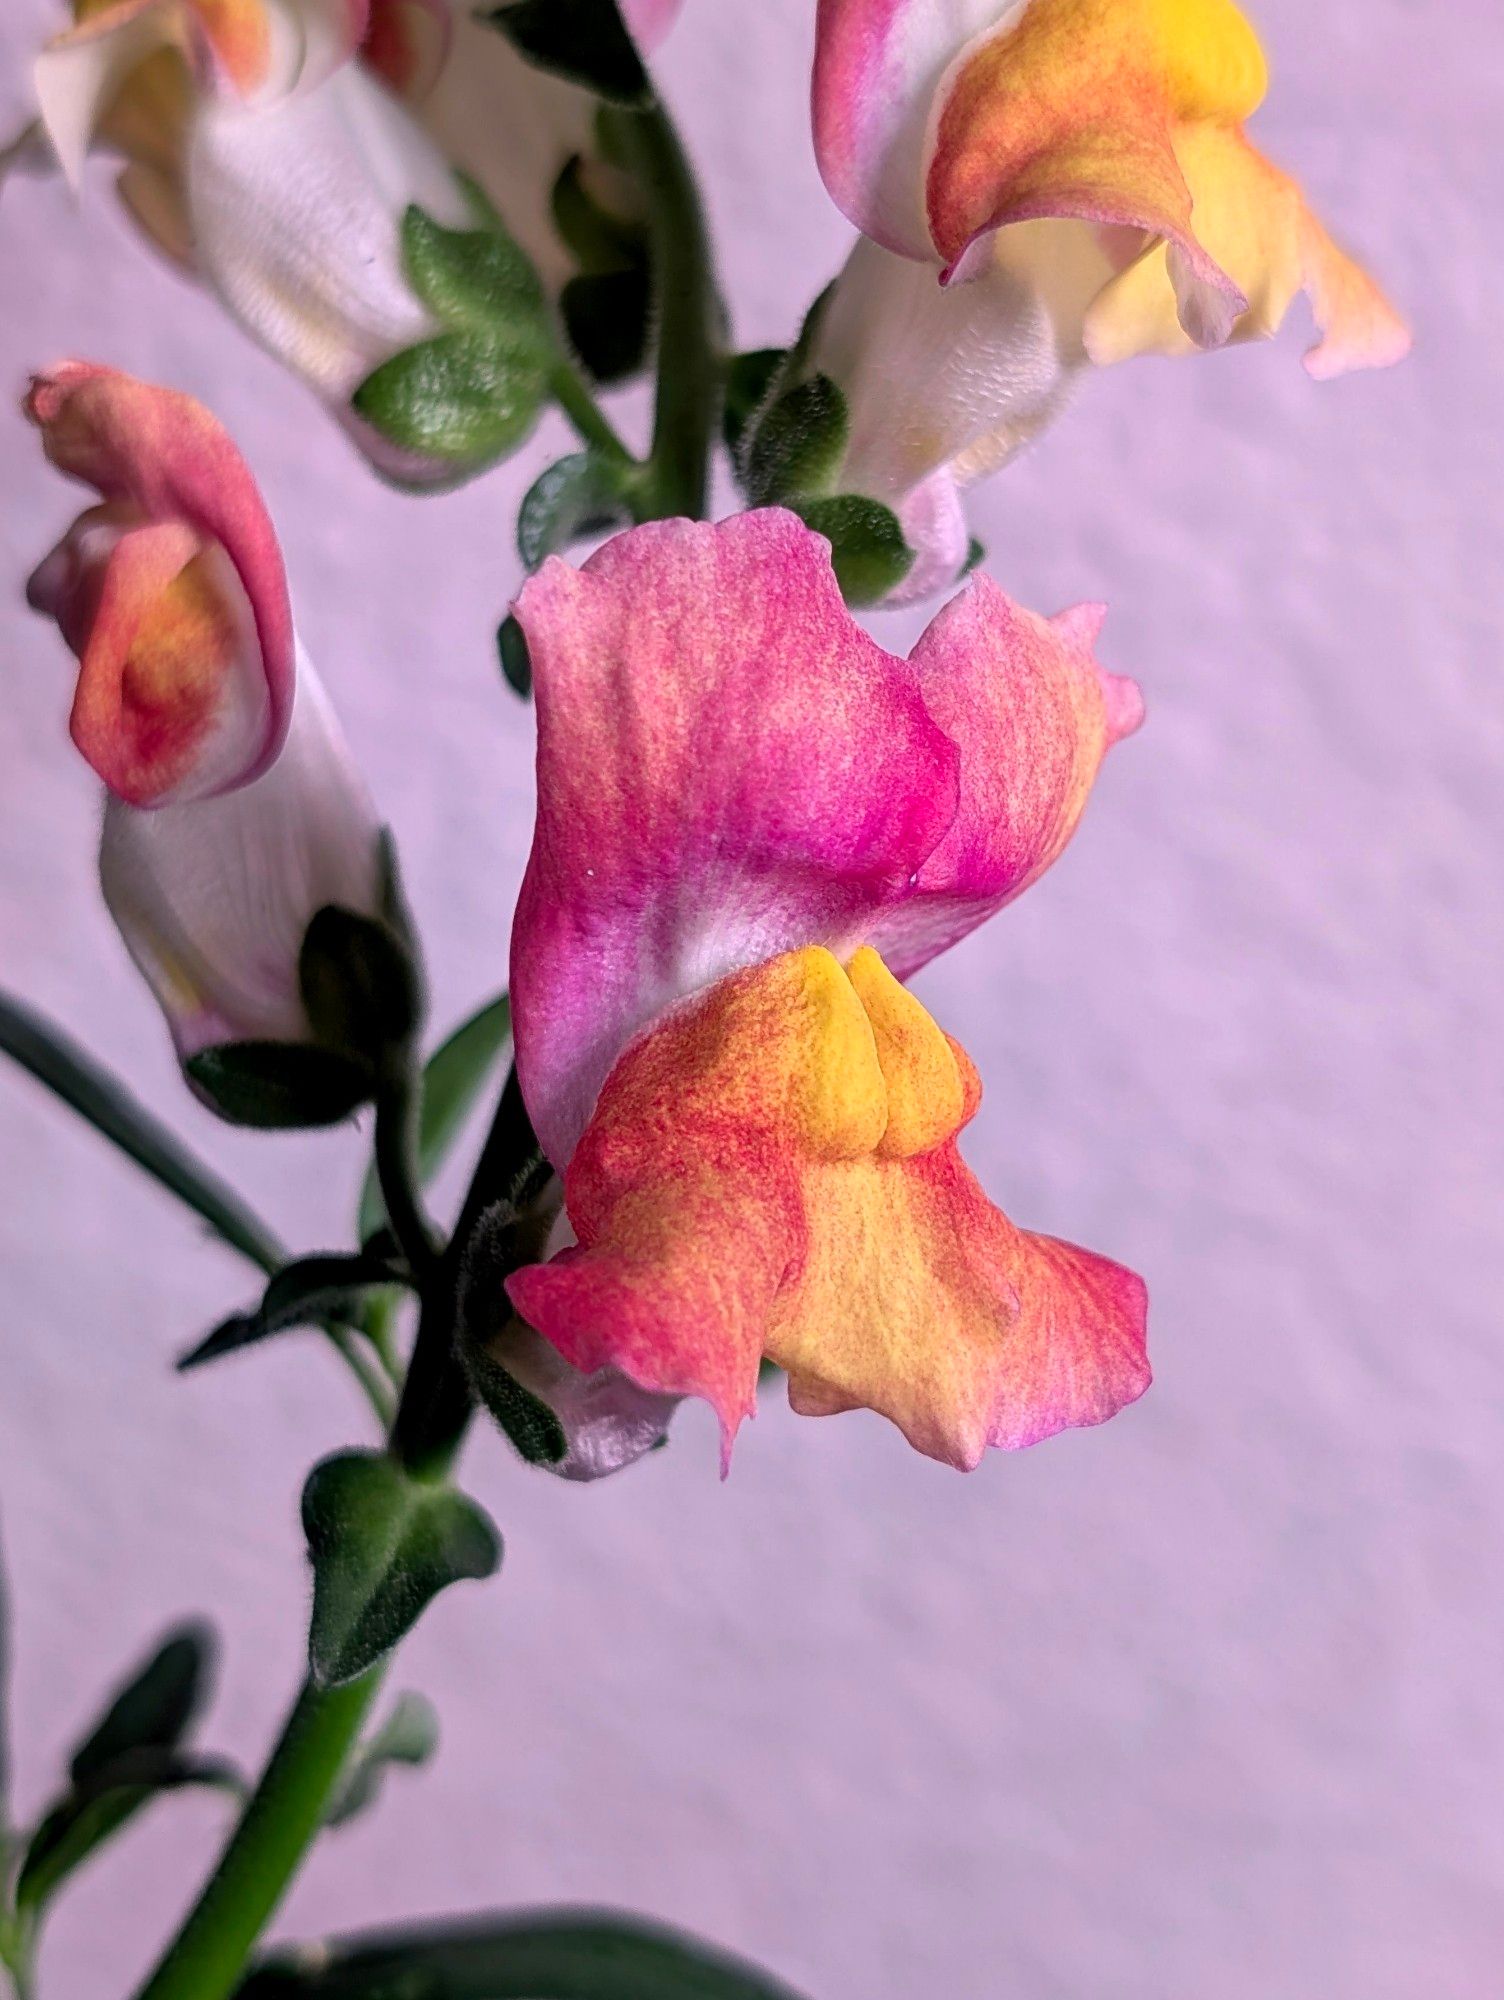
167	460
1033	715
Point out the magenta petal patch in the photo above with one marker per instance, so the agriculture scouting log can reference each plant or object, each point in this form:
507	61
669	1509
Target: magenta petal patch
728	768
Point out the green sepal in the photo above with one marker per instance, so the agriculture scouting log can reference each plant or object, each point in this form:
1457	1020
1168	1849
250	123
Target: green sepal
360	984
576	497
608	317
474	280
867	546
383	1544
467	398
508	1236
525	1420
976	555
535	1955
516	661
584	41
796	451
310	1292
409	1736
453	1079
749	377
280	1086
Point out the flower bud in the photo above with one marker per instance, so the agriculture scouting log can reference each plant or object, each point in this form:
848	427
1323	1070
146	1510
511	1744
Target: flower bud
234	810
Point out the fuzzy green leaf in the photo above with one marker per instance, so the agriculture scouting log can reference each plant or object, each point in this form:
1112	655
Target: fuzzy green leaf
866	544
383	1544
463	397
475	280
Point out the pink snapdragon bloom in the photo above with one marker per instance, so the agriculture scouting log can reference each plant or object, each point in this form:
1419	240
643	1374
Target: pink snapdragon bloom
1044	186
233	809
754	824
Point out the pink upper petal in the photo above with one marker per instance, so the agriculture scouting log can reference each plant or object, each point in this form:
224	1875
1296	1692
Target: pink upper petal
728	768
160	458
878	64
1033	715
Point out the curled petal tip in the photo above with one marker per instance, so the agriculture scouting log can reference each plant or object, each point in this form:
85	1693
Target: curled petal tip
1124	700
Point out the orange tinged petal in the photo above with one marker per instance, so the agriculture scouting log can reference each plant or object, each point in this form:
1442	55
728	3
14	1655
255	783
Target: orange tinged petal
774	1170
1254	220
1071	112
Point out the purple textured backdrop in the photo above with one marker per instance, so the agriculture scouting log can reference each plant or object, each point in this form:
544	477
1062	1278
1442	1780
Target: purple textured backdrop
1206	1703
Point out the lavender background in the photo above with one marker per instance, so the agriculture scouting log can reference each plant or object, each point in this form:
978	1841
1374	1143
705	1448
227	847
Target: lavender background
1204	1703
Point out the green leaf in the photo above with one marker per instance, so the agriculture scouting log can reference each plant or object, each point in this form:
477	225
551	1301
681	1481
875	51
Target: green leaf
153	1709
749	377
516	663
799	445
866	544
455	1076
584	41
313	1291
281	1086
410	1735
383	1545
535	1955
475	280
90	1814
361	988
577	496
608	317
132	1754
74	1076
464	397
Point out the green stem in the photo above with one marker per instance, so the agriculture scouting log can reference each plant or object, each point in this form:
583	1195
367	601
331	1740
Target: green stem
275	1831
398	1109
689	311
573	395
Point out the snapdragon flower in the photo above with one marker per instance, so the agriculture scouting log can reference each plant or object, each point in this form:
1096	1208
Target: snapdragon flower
1043	187
233	808
753	825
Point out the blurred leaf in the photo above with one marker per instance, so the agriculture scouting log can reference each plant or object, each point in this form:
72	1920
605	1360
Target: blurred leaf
281	1086
153	1709
360	986
311	1291
866	544
798	446
534	1955
453	1080
584	41
74	1076
608	316
476	280
93	1812
577	496
749	377
516	664
464	397
410	1735
596	237
383	1544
